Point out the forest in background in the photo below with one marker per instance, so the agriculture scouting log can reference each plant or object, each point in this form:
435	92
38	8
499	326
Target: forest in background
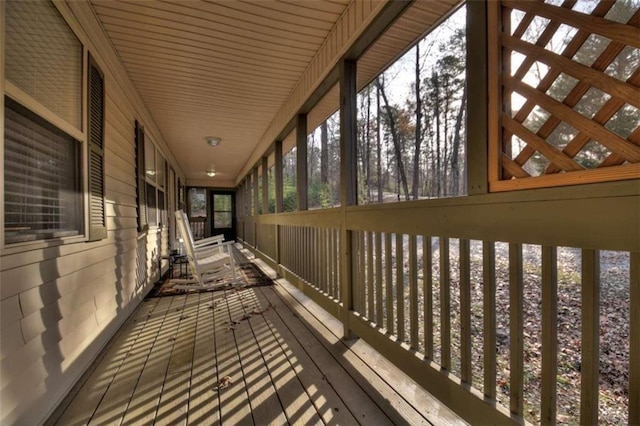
412	121
412	143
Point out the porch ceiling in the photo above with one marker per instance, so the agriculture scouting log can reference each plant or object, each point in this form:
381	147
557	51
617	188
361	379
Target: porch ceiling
220	68
225	68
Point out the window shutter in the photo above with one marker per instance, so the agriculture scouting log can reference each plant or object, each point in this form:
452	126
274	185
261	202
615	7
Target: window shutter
141	206
97	221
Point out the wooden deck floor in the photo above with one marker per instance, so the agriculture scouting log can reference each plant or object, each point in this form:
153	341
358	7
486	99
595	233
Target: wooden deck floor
281	352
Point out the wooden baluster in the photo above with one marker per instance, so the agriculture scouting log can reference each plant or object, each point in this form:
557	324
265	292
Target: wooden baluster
388	281
427	292
334	262
589	366
326	261
313	259
299	251
465	312
306	258
489	314
361	275
445	303
549	334
413	292
337	272
378	238
295	248
516	288
400	286
370	297
322	268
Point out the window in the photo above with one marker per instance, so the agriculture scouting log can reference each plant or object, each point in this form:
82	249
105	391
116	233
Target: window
42	179
44	57
272	189
43	154
155	185
141	196
412	116
150	160
152	208
222	213
151	172
323	159
197	202
289	174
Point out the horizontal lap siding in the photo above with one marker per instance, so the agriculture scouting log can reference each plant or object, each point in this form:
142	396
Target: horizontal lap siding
60	305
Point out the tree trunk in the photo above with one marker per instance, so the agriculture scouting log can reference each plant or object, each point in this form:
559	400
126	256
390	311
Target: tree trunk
324	154
416	153
445	150
367	156
396	143
436	113
379	145
455	172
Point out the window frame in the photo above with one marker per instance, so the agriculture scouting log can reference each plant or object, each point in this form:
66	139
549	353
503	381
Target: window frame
80	135
151	183
214	211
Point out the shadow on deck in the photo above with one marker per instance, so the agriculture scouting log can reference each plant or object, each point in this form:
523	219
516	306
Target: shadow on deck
265	355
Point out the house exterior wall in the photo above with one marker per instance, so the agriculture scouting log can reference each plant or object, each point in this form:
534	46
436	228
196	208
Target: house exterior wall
61	303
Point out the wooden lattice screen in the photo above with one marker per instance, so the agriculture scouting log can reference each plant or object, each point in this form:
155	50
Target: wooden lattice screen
565	104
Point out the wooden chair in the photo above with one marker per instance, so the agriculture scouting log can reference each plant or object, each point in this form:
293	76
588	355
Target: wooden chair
211	262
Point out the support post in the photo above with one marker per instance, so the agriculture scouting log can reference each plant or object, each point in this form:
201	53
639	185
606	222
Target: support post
265	185
279	197
301	162
348	182
279	184
250	205
477	138
254	187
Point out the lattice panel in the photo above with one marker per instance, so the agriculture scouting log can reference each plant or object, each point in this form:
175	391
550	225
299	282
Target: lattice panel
570	110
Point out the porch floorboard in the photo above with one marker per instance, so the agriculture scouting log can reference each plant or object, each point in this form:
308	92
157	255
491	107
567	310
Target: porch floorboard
282	353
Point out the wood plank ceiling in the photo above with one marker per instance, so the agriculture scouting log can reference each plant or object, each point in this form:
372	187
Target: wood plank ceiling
224	68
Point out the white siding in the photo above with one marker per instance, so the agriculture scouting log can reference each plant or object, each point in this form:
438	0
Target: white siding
60	305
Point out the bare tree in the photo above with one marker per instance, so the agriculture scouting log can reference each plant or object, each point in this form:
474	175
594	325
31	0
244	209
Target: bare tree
418	137
457	135
379	144
402	176
324	154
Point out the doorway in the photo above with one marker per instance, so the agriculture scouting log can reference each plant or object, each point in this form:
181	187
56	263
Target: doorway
222	214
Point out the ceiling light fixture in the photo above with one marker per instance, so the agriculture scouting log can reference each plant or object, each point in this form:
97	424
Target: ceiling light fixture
213	140
211	173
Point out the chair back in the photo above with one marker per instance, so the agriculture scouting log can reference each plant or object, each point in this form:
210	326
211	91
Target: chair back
185	233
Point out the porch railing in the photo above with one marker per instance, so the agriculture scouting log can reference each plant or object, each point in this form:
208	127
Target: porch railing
443	288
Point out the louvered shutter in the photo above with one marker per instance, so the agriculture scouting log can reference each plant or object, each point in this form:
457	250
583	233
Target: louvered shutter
97	221
141	206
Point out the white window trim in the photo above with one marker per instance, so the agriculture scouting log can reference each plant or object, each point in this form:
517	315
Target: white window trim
8	89
156	185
